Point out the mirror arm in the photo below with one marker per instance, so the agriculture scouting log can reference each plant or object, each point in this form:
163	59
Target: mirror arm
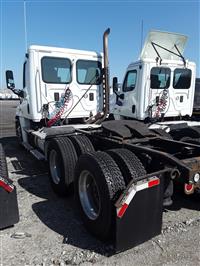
117	93
20	93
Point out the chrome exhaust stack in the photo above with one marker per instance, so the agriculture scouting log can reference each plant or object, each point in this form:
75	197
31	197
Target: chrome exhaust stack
106	72
105	80
100	117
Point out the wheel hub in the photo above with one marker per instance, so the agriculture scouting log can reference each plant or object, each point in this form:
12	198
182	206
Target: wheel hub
55	167
89	195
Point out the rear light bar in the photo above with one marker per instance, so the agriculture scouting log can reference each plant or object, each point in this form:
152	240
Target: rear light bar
188	188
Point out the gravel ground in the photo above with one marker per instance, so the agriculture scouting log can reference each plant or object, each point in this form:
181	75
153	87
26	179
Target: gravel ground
51	233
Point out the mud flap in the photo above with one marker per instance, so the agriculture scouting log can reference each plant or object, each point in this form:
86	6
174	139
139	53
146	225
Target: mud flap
9	213
139	213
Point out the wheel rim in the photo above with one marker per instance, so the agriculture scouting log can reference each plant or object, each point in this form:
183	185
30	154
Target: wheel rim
89	195
55	167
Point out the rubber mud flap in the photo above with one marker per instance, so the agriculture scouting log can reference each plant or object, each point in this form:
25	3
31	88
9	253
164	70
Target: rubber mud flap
9	213
142	219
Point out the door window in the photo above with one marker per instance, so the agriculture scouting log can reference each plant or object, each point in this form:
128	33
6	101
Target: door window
130	81
88	72
160	78
182	78
56	70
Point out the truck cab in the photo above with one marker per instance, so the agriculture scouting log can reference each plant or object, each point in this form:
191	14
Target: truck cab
160	84
48	72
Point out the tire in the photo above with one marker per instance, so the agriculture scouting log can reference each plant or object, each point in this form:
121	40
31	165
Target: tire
62	159
98	184
168	192
162	133
191	140
3	164
82	144
128	163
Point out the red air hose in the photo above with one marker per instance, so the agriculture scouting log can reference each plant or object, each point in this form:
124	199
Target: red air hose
59	114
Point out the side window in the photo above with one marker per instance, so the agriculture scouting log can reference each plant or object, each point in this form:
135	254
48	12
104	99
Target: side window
182	78
130	81
24	74
160	78
56	70
88	71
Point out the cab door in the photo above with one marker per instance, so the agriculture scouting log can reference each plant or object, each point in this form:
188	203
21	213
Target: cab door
129	96
182	91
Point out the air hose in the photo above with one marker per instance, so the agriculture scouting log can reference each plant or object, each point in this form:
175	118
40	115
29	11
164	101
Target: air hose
60	110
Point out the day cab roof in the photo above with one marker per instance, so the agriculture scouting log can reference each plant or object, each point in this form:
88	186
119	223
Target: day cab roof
50	49
165	63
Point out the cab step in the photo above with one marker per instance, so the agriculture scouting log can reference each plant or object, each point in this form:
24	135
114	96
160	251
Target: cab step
38	155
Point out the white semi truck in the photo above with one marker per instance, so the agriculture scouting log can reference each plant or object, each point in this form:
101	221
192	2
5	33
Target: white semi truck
119	168
161	85
159	90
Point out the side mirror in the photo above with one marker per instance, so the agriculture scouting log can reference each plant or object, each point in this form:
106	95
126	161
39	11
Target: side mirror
11	84
10	80
115	85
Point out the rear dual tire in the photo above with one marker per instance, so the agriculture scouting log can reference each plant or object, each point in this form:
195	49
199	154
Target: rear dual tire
62	159
129	164
98	184
62	156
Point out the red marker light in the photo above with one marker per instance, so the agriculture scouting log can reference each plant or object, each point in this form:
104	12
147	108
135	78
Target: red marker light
154	182
189	188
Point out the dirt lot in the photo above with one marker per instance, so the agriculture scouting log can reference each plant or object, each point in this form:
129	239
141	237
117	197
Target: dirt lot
51	233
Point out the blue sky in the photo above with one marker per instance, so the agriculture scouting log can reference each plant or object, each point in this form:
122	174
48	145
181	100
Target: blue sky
80	24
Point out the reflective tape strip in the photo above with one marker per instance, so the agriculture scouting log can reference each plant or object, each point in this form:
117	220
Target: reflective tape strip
155	181
142	186
122	210
6	185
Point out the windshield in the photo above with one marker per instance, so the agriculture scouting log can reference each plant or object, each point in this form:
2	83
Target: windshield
88	72
56	70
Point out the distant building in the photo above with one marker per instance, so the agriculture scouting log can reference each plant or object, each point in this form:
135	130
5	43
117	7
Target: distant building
7	95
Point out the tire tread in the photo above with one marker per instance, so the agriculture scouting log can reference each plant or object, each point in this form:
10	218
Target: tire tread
129	164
